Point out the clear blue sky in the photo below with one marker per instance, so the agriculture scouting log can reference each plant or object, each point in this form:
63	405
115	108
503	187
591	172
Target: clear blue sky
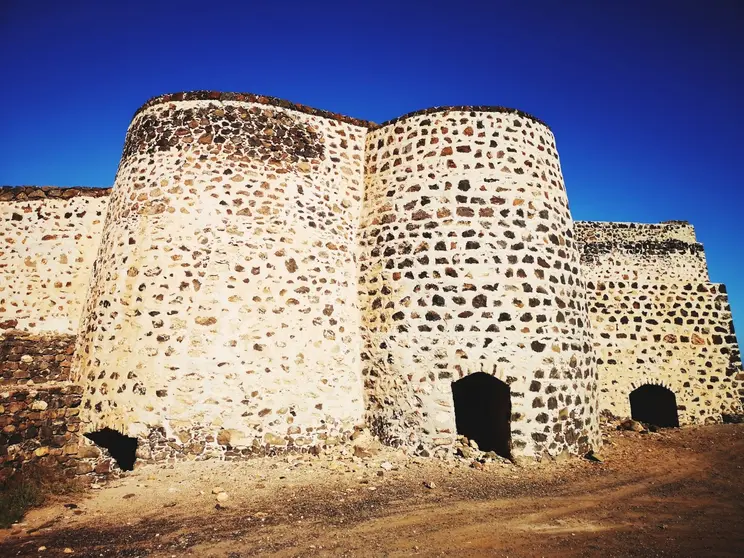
646	97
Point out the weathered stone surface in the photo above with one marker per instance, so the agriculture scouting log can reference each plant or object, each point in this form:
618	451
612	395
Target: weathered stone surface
253	322
264	264
48	241
657	320
39	424
448	290
632	425
27	358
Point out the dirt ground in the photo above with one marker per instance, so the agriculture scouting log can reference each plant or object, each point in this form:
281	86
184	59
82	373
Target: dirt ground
679	492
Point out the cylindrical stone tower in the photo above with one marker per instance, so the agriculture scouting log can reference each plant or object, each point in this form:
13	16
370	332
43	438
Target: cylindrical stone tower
222	315
474	312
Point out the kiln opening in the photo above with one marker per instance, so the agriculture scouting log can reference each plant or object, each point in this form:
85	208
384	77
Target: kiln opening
654	405
483	412
123	449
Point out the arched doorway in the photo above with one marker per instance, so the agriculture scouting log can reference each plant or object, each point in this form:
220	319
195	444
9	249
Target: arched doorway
654	405
483	412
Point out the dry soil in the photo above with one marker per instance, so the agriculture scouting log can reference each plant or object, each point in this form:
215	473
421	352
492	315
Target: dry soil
674	493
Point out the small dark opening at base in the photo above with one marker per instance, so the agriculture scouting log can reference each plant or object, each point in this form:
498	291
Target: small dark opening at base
483	412
654	405
123	449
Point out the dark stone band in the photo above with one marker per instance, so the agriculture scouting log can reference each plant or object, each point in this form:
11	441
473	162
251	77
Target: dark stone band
646	247
274	101
23	193
473	109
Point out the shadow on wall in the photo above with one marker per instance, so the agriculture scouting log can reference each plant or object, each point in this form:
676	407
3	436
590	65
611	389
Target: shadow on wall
483	412
123	449
654	405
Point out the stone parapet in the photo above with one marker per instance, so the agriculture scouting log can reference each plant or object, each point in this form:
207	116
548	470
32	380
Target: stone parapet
25	193
622	233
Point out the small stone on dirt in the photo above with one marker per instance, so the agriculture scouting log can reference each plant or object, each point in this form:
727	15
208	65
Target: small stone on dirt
222	497
591	456
362	452
429	484
632	425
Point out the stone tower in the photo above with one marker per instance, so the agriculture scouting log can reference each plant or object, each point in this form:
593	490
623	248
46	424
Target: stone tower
468	266
223	300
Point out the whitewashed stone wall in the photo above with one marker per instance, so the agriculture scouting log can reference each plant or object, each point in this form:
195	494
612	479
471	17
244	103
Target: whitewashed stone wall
467	265
48	243
658	320
271	276
223	313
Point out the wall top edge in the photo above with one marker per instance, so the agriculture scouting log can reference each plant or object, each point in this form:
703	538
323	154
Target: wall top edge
282	103
463	108
23	193
632	225
610	232
642	245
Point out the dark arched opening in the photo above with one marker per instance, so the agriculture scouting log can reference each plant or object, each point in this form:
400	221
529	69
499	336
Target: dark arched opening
123	449
483	412
654	405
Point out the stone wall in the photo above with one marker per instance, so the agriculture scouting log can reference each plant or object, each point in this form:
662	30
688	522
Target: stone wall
641	252
48	242
658	320
35	359
222	318
269	276
467	264
39	408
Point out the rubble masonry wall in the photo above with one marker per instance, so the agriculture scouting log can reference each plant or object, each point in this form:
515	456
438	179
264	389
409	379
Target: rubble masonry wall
266	277
48	242
657	319
467	264
222	317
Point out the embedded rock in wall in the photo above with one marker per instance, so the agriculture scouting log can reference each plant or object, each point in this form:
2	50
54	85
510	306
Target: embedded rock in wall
224	294
467	267
659	322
